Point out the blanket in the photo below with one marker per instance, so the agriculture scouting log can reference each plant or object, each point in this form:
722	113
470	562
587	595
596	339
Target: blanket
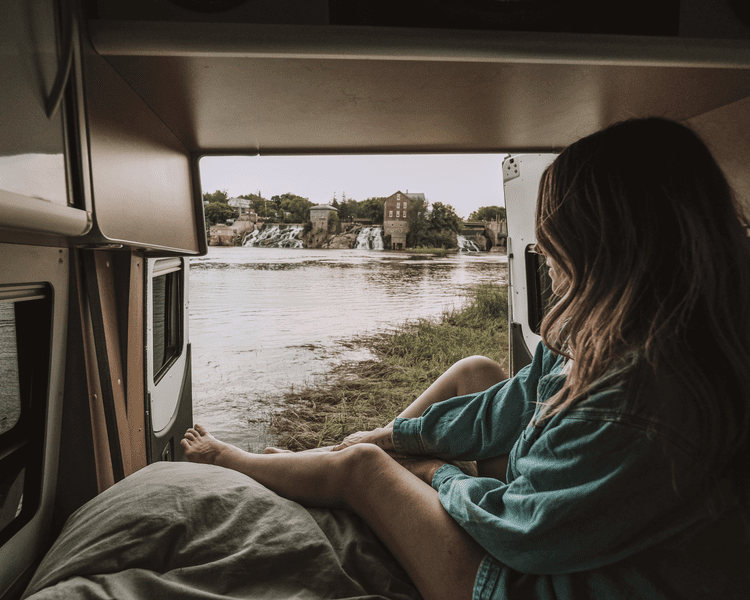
187	531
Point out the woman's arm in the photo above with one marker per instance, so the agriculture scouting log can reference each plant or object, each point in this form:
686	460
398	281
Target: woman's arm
476	426
582	493
382	437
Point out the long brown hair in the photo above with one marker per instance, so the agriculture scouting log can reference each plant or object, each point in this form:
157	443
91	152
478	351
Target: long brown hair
653	251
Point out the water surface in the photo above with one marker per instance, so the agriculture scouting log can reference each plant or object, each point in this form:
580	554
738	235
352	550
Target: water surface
264	320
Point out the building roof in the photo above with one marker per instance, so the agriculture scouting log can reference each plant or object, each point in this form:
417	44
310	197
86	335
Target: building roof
239	202
324	207
416	196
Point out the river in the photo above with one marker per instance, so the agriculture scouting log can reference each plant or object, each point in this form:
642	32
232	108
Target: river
265	320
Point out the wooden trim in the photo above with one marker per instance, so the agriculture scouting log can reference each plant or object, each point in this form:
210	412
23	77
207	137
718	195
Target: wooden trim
135	381
105	279
102	460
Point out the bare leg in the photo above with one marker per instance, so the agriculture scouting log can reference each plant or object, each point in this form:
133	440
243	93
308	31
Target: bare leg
439	556
467	376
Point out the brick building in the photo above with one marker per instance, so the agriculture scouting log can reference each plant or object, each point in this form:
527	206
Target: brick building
396	217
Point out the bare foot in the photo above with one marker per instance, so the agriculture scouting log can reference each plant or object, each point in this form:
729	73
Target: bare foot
201	447
273	450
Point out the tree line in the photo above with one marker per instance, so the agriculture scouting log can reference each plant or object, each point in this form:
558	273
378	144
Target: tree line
432	225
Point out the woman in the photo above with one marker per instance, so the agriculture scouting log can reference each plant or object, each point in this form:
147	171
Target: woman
613	466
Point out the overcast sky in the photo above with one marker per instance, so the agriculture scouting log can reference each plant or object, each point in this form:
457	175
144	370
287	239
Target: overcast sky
465	181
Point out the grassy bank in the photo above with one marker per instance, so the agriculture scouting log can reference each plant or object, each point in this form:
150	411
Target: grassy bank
363	395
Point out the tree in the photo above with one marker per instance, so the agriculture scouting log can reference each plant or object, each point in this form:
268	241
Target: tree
266	209
293	208
418	224
333	222
488	213
435	227
372	209
443	217
345	210
217	210
217	196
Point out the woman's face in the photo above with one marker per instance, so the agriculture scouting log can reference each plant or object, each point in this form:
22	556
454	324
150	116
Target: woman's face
555	275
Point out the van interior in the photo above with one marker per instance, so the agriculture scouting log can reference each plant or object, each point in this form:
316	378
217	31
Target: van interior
108	106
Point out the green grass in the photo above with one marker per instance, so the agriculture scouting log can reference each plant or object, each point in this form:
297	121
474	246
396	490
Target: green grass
362	395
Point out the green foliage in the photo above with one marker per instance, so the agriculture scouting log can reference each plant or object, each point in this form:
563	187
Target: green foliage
263	207
443	217
489	304
418	224
371	209
291	208
217	210
364	395
346	209
333	222
436	227
488	213
217	196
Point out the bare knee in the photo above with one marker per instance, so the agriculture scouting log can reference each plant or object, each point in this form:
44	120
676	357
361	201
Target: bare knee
359	464
477	373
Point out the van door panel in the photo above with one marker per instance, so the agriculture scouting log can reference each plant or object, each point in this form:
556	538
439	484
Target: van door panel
167	356
521	176
34	282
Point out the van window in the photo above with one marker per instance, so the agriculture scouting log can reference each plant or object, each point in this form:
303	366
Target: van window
166	305
539	286
25	325
10	399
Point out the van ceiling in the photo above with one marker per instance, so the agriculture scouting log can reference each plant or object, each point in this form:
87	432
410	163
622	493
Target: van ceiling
245	88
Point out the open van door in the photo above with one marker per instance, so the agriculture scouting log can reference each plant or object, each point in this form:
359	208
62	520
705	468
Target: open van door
167	358
529	287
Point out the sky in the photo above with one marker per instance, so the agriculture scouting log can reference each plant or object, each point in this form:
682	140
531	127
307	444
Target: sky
465	181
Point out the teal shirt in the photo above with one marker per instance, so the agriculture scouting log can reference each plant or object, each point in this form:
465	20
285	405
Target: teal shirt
590	490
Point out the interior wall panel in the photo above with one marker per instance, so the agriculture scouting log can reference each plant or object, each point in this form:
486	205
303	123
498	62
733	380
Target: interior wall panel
726	130
139	167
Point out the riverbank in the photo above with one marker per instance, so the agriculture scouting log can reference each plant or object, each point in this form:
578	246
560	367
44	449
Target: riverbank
362	395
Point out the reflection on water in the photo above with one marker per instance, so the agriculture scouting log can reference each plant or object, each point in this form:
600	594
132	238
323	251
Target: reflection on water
263	320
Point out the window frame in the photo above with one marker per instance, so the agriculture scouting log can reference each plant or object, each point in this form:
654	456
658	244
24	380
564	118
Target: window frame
539	295
173	312
22	447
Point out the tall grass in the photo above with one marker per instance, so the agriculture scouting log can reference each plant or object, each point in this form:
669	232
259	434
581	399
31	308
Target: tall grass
362	395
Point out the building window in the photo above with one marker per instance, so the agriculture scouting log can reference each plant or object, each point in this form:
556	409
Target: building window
404	214
398	205
404	203
397	214
390	214
398	196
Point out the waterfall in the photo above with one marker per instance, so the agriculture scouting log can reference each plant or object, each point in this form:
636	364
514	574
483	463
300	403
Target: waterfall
275	236
370	238
465	245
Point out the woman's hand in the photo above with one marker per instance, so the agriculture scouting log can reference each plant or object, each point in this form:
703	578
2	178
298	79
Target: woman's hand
423	467
380	437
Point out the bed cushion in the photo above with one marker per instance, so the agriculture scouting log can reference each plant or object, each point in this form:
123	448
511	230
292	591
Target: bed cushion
181	530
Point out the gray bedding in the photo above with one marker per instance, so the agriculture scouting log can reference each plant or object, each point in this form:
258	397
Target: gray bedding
180	530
